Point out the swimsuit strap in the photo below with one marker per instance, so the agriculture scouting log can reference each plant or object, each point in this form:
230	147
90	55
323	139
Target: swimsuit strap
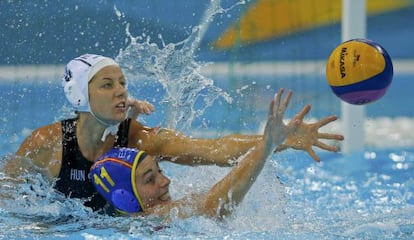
123	133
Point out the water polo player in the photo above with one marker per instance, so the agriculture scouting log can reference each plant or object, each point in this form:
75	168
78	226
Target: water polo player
97	89
133	183
121	177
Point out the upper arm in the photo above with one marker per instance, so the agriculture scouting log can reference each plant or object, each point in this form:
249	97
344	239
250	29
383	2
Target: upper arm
38	150
157	141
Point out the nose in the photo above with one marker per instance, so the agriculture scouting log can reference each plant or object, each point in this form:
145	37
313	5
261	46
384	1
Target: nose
165	181
121	90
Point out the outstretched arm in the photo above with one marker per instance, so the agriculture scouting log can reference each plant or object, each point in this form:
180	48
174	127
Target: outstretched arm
233	187
224	151
179	148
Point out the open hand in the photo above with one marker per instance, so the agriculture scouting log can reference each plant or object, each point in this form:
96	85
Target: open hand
276	131
307	135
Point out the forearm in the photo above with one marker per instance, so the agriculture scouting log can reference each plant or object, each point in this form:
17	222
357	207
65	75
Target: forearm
174	146
231	190
221	151
228	192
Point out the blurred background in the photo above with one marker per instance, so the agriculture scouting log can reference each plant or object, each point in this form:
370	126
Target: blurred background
211	68
53	32
245	49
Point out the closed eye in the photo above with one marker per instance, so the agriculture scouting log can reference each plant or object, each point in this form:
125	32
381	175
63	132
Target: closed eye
150	180
149	177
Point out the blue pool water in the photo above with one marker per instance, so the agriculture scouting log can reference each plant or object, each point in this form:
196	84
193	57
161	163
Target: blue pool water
364	195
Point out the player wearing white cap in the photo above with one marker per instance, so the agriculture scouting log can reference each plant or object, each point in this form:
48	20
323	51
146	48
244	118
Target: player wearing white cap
97	89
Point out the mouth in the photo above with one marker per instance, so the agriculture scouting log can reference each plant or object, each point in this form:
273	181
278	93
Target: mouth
165	197
121	106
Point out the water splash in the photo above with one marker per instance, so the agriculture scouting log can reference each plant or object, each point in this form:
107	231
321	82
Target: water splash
30	206
187	92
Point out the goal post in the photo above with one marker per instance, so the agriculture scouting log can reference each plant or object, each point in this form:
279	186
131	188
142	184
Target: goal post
353	116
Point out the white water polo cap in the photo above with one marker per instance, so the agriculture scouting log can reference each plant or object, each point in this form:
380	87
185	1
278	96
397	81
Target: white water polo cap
78	73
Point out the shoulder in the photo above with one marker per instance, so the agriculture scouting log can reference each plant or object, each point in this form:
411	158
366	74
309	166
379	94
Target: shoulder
143	137
157	141
46	137
44	147
138	133
48	132
135	125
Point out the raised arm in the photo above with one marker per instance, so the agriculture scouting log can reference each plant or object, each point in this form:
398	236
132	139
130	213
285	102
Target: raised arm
232	188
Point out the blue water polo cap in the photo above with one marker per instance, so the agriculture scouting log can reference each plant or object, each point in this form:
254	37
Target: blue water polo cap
113	176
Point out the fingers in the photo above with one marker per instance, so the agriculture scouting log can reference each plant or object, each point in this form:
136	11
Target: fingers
137	107
326	120
330	136
305	110
271	108
313	155
327	147
147	107
285	102
274	105
279	109
141	106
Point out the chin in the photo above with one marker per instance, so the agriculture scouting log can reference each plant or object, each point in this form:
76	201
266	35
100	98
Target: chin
118	118
159	203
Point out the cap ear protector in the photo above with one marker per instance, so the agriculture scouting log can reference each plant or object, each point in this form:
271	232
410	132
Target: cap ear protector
78	73
113	176
72	90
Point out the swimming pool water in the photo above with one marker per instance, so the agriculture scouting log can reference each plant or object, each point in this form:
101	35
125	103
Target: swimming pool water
364	195
330	200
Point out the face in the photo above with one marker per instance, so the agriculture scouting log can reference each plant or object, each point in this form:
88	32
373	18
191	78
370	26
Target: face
152	184
108	94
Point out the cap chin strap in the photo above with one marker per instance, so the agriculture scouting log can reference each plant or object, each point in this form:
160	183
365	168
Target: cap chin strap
110	128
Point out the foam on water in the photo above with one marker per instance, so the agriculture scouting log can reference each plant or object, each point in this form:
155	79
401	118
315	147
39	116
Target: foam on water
362	195
293	198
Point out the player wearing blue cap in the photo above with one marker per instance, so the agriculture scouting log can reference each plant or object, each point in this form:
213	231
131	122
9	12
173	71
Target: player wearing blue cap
133	183
96	87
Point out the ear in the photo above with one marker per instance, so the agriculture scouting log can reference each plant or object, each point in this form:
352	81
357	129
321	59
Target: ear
126	201
74	93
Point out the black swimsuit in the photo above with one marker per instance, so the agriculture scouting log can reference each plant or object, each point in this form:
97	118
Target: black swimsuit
73	178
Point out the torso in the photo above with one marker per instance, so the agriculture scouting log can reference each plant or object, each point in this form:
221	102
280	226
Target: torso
73	178
48	147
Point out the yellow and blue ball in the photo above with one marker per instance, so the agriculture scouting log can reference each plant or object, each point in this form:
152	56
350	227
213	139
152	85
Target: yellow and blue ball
359	71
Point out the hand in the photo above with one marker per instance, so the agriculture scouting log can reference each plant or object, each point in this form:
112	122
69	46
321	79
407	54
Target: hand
308	135
276	131
138	107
